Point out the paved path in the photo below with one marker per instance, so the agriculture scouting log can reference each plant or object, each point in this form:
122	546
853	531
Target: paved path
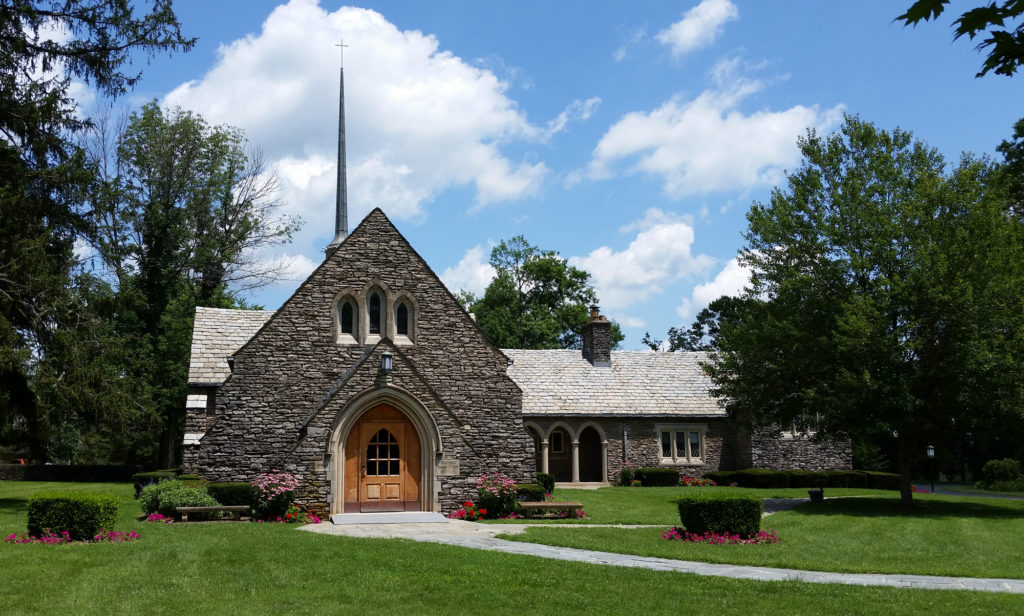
482	537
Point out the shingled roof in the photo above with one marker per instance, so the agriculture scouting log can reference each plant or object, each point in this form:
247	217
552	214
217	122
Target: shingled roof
554	382
562	382
216	334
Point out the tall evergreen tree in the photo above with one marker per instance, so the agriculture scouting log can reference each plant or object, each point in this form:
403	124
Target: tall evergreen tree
43	181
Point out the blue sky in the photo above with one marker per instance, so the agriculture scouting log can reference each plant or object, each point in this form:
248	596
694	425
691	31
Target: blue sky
629	137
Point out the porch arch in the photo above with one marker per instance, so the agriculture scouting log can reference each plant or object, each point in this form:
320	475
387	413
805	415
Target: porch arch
430	442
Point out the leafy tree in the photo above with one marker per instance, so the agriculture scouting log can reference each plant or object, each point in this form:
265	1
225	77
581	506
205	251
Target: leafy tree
180	217
1012	170
885	296
46	317
1005	43
536	300
703	333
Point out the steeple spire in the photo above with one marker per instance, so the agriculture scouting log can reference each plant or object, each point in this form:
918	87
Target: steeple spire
341	199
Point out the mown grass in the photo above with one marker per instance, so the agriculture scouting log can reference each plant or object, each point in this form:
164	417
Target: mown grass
939	535
617	505
224	567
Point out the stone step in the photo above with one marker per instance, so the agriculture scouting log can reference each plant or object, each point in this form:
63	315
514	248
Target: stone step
390	517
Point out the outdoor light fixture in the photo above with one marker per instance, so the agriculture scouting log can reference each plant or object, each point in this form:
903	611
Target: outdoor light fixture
931	456
387	362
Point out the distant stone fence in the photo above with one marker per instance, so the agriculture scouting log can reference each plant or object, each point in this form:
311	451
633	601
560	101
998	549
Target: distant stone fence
60	472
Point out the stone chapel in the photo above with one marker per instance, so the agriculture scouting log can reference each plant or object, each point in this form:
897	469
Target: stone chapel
378	390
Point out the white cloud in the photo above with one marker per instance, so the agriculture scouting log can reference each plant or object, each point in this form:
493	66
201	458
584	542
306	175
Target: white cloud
420	120
699	27
658	256
472	273
576	110
633	39
708	144
729	281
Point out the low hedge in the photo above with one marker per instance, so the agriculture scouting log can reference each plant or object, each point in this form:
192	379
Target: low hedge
530	492
721	513
656	476
82	514
547	481
185	496
764	478
233	493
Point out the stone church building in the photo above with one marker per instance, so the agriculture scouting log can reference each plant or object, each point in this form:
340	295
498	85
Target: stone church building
375	387
379	391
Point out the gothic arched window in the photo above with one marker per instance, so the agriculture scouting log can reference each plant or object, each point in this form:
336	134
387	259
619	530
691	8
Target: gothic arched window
374	310
402	319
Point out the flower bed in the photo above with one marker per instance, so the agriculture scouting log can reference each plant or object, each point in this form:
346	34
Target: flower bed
679	534
51	538
468	512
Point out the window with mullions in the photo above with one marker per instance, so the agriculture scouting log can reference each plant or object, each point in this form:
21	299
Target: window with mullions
373	307
382	455
682	444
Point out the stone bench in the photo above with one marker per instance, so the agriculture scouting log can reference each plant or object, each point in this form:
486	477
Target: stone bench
539	508
238	510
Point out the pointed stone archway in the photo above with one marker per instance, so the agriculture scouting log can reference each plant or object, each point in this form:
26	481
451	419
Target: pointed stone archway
384	450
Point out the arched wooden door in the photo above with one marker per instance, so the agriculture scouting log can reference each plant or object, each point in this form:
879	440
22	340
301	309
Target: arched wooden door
382	463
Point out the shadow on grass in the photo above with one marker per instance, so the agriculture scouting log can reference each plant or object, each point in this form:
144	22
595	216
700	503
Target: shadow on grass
921	508
13	506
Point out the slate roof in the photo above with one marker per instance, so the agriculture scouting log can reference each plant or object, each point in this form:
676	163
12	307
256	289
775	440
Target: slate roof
554	382
216	334
638	383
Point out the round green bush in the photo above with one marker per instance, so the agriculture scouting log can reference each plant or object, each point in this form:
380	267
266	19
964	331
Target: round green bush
170	500
1006	469
149	497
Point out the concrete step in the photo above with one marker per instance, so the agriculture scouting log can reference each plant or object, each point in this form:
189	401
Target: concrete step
390	517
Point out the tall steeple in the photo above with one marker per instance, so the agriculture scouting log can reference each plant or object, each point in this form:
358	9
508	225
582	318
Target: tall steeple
341	198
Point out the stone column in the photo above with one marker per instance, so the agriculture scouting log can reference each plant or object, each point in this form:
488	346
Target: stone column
575	461
604	461
544	456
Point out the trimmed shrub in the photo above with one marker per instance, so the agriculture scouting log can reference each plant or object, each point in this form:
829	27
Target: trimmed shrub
529	492
149	497
82	514
1006	469
722	478
881	481
187	497
721	513
141	480
804	479
233	493
762	478
656	476
546	481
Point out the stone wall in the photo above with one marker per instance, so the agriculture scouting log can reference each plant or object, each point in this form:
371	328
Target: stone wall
771	451
294	379
637	440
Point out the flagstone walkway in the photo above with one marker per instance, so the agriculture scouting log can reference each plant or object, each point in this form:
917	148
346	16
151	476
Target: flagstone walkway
482	537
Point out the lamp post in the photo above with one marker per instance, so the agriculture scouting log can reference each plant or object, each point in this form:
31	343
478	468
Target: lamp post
931	459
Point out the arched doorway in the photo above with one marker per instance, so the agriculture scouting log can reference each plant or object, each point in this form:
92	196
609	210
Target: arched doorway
382	462
591	464
560	455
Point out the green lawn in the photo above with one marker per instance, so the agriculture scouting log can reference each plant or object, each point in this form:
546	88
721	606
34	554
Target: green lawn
223	567
941	535
617	505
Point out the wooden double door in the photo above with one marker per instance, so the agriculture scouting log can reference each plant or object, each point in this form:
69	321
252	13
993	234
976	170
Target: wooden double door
382	463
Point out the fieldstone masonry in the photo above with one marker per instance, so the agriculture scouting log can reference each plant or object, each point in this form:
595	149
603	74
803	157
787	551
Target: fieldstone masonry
274	391
291	382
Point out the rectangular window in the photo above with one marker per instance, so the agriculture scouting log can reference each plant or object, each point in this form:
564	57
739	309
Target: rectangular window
682	444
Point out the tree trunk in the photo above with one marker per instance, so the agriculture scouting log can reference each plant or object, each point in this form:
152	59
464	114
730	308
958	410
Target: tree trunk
906	459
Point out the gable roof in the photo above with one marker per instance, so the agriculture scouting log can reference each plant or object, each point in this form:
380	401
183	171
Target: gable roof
640	383
216	334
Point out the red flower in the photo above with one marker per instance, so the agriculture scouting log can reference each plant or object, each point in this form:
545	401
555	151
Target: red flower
483	512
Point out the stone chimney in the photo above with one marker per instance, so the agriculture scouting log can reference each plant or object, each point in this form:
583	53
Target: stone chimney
597	340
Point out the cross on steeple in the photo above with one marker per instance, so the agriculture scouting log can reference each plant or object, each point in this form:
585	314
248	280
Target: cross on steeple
341	199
